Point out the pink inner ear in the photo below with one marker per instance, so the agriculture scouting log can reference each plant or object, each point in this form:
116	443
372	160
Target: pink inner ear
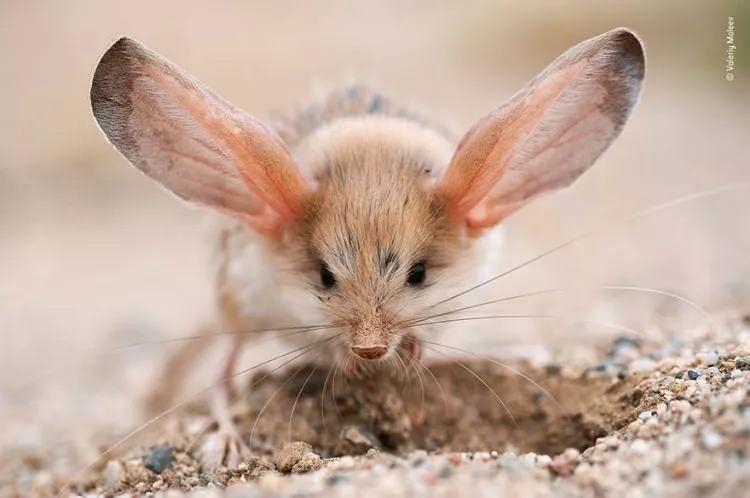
257	153
486	154
484	214
266	220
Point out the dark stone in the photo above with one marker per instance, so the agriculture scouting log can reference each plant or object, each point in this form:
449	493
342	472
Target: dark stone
445	472
334	479
159	459
375	105
624	341
552	369
693	374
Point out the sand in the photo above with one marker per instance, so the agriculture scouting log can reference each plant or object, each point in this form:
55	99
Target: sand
652	418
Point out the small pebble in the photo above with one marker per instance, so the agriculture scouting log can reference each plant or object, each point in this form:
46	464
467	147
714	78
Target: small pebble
661	409
112	475
310	461
693	374
627	342
678	471
334	479
543	460
565	463
711	439
290	455
159	459
445	472
709	358
355	440
642	365
344	463
680	406
639	446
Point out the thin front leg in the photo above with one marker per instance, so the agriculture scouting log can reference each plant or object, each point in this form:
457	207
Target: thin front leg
225	446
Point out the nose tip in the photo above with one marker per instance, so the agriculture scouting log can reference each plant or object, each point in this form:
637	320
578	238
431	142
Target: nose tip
369	352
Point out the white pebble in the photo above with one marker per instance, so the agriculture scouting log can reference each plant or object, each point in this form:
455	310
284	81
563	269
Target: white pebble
708	358
680	406
711	439
543	460
639	446
642	365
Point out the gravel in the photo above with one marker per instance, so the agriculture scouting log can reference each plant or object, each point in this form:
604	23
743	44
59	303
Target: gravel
651	433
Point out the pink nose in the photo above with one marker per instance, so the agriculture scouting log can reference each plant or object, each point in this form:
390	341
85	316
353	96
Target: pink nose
370	352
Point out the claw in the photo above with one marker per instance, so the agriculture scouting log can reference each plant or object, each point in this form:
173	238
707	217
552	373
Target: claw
223	447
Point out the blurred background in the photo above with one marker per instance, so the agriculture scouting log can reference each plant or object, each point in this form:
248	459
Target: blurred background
94	255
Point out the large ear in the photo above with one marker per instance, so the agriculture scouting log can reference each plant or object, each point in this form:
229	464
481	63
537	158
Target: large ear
549	132
192	141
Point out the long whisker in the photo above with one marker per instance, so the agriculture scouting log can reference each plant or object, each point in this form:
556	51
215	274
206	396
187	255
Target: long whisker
291	331
706	315
621	328
502	365
610	224
437	382
480	379
692	304
296	400
479	305
412	364
402	371
273	395
210	335
249	388
329	376
333	390
178	405
322	400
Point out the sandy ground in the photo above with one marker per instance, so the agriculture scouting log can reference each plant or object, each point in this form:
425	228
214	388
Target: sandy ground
650	418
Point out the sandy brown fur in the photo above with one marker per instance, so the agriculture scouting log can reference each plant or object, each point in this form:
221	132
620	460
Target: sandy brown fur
354	100
372	214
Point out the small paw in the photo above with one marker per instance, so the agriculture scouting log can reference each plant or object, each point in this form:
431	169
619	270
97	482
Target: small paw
223	447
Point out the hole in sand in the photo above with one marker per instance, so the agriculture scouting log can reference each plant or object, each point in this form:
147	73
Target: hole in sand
457	412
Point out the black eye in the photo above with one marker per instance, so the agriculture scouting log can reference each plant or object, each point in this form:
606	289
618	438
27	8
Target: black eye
417	274
326	277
